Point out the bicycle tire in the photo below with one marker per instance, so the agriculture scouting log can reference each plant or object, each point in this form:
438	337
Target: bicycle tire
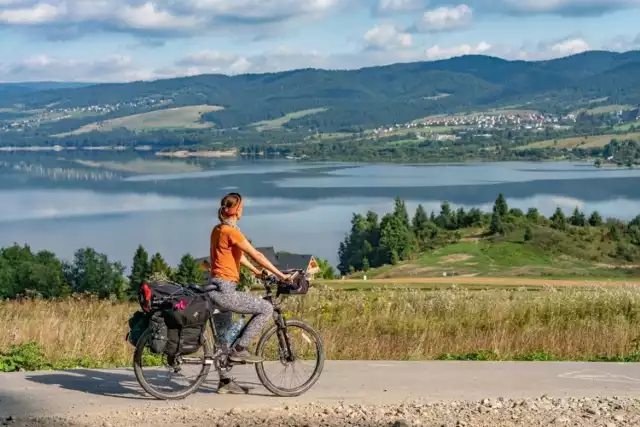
137	357
316	373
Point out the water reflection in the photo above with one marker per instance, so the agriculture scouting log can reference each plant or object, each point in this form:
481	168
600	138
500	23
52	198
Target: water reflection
297	207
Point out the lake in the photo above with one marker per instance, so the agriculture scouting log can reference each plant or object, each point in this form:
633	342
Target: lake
60	204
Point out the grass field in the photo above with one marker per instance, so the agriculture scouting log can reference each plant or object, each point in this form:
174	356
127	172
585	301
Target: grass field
627	126
281	121
580	141
407	324
604	109
171	118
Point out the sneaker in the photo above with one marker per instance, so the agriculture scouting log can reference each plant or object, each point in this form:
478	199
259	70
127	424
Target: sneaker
231	387
244	357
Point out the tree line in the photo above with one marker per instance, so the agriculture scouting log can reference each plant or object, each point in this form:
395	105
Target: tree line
27	273
374	242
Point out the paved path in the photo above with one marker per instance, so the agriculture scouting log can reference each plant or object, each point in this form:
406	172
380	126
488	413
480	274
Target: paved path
98	391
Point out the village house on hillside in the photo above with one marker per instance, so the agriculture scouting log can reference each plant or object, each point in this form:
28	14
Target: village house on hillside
282	260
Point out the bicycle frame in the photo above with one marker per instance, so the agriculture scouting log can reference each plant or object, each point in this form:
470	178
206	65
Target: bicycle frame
220	353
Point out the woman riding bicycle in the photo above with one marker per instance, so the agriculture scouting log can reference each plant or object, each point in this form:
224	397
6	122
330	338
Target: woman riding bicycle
227	252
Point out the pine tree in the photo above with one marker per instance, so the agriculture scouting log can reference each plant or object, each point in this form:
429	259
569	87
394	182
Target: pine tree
578	219
400	211
595	220
559	220
500	206
419	219
189	271
496	226
158	265
533	214
140	270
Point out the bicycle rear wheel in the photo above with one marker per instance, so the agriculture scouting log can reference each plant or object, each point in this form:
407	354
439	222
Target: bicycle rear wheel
304	361
170	382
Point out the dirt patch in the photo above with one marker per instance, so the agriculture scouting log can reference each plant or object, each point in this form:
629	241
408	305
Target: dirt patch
454	258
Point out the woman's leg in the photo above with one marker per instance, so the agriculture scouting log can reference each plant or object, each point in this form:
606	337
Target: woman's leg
227	298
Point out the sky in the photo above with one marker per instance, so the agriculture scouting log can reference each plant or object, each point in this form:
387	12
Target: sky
128	40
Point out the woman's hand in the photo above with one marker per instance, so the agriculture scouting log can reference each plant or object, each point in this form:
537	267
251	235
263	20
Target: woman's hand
287	278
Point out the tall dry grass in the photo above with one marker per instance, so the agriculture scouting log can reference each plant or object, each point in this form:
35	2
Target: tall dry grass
584	324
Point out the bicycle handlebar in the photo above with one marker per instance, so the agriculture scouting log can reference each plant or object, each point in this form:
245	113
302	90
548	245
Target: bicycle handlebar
271	279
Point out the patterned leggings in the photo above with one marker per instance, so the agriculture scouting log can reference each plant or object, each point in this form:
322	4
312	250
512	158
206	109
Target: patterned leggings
229	300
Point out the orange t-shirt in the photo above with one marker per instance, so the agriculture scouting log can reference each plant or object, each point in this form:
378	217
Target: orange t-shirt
224	252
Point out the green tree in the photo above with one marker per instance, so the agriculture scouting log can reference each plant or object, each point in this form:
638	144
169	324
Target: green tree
578	218
496	226
365	264
500	206
474	218
396	236
189	271
614	232
158	265
559	220
595	220
400	211
598	163
419	219
93	272
140	270
533	214
528	234
326	270
446	219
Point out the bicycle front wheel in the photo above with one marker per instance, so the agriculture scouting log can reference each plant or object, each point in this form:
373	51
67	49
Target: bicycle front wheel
297	352
169	381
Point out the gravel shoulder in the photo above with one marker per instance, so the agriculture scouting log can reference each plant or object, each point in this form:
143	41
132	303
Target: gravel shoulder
544	411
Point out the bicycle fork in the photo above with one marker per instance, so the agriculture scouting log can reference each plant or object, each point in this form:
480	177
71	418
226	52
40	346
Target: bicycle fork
287	355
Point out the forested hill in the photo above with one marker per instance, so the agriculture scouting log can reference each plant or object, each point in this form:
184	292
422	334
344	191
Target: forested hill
371	96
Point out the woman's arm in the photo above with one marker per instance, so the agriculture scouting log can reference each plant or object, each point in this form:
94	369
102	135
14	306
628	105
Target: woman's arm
248	249
244	261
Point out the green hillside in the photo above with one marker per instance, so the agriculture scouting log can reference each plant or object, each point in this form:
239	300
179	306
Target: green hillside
366	97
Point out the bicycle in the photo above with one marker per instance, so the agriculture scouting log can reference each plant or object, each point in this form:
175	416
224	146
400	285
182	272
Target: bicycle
218	355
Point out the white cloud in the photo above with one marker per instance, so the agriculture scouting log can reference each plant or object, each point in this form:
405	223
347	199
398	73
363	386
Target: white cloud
569	47
209	61
37	14
148	16
401	5
39	67
445	18
159	17
387	36
436	52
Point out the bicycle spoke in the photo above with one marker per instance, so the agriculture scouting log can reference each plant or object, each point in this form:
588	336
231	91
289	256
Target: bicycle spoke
281	368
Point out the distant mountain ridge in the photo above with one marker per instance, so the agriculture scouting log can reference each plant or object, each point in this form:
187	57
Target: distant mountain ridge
374	95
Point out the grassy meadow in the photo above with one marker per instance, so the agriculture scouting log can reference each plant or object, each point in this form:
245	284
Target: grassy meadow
401	323
281	121
595	141
170	118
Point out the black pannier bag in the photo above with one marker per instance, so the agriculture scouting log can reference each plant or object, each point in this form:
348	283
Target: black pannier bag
138	323
159	333
185	322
